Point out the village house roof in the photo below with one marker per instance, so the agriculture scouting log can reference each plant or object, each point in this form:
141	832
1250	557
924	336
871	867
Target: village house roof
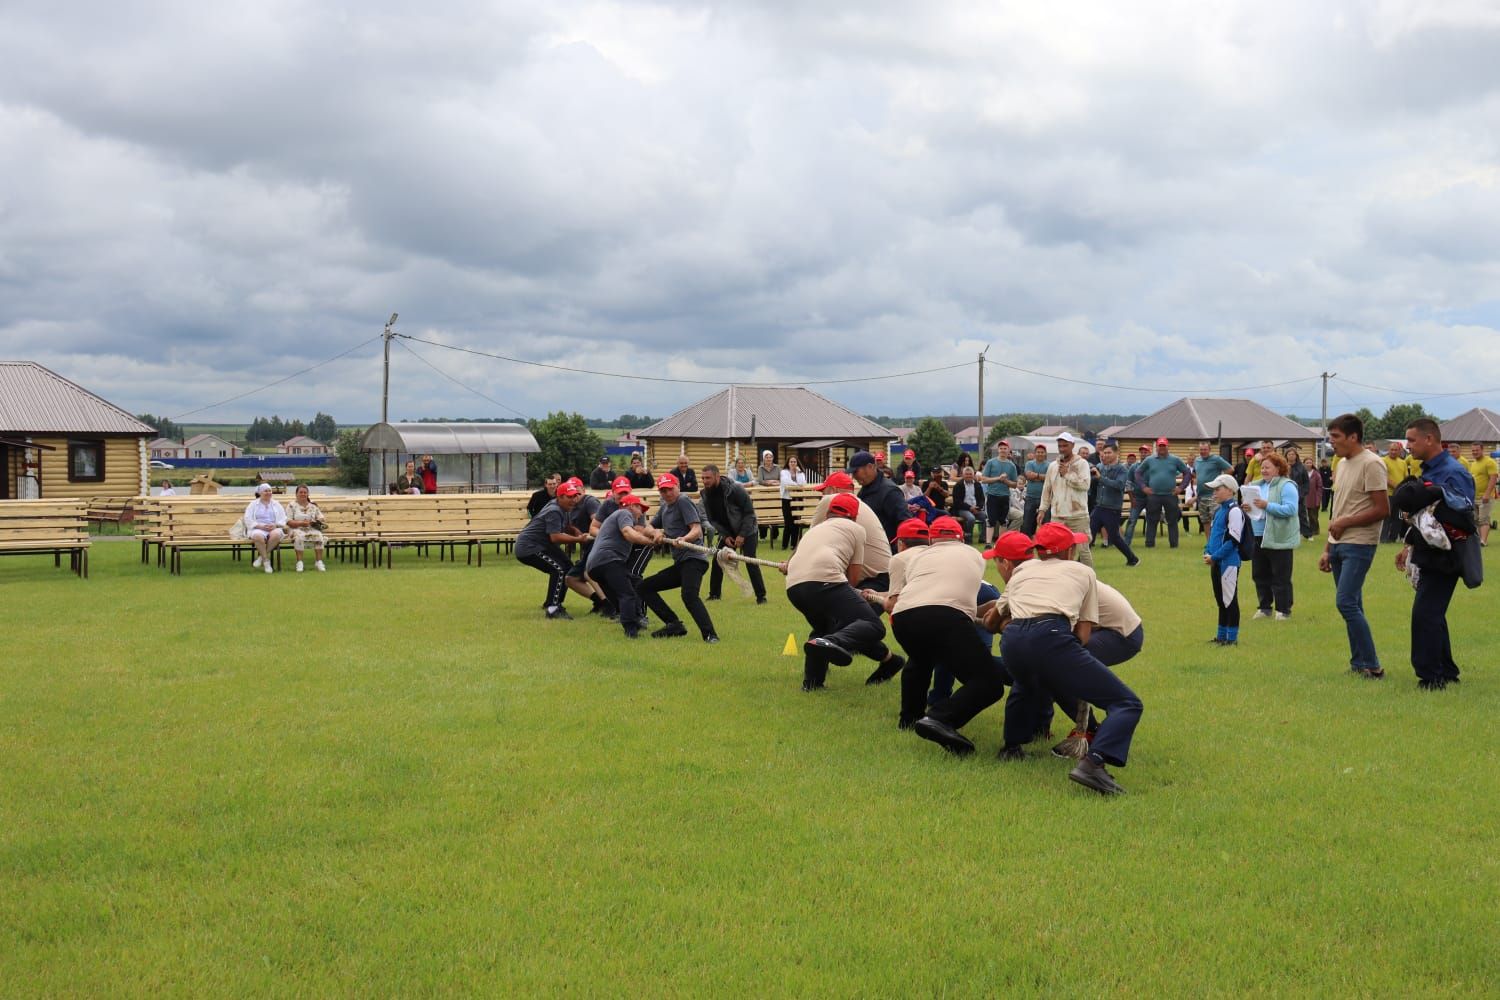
1207	419
779	414
37	400
1477	424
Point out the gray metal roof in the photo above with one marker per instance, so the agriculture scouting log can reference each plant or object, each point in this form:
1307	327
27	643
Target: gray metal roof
450	439
1242	420
779	413
36	400
1477	424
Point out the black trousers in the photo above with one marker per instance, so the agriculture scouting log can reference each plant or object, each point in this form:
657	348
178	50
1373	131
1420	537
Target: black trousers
1431	650
1309	521
1158	506
836	612
1107	519
1047	662
936	634
686	575
1228	617
1272	571
996	512
552	561
791	531
1029	513
716	574
619	590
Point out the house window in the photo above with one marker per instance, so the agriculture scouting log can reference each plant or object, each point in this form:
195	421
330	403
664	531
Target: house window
85	461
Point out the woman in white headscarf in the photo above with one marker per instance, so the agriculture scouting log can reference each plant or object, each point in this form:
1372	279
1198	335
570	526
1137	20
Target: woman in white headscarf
265	525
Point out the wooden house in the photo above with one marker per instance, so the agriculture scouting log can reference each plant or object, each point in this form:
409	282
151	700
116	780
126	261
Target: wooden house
1232	425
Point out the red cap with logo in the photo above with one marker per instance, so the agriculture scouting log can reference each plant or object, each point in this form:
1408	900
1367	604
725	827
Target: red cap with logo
945	527
910	474
1056	537
1015	546
910	454
568	489
631	500
837	481
911	528
880	456
620	483
666	481
576	481
1162	441
844	505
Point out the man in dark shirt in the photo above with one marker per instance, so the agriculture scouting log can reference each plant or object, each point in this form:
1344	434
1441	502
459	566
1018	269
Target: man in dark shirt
543	496
687	479
637	476
910	464
678	519
539	545
878	493
600	478
731	513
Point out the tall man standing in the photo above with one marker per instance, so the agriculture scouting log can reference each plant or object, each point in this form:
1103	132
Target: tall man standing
1431	648
998	476
1065	492
1137	495
878	493
1113	480
1360	504
1207	467
1162	477
1486	473
1035	475
731	514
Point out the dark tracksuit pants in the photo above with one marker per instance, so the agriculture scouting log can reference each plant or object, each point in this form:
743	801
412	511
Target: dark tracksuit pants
791	531
836	612
1047	662
619	590
554	562
686	575
1431	650
1107	519
1159	505
757	582
1271	569
938	634
1228	617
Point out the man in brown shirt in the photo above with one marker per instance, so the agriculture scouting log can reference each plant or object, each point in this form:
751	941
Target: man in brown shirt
819	583
1360	506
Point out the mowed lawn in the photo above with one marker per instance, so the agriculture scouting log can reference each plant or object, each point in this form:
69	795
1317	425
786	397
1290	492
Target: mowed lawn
392	783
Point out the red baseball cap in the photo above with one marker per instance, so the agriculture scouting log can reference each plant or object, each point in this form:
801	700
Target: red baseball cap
911	528
844	505
945	527
576	481
1249	452
630	499
836	481
1015	546
880	456
620	483
1055	537
666	480
568	489
1162	441
910	474
910	454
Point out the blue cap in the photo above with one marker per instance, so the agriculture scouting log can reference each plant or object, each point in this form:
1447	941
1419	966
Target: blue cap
861	458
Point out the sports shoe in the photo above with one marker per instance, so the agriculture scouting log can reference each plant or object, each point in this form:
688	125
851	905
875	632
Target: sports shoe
670	630
885	671
559	613
1217	640
256	563
1370	675
710	638
1432	685
1283	616
811	685
944	735
829	650
1011	754
761	599
1091	774
299	567
320	567
1261	613
1059	751
267	567
904	722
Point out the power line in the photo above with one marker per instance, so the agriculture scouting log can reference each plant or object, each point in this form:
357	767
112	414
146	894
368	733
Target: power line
1422	395
685	381
1138	388
461	385
279	381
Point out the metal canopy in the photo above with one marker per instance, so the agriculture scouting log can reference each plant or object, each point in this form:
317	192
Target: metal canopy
450	439
821	443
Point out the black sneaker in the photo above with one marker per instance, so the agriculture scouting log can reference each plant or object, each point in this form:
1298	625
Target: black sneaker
632	633
905	722
710	638
559	614
1133	562
671	630
1091	774
886	670
829	650
712	597
761	599
1432	685
944	735
811	685
1009	754
1370	675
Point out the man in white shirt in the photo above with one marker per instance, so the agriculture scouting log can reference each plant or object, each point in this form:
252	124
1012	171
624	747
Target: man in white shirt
265	524
1065	492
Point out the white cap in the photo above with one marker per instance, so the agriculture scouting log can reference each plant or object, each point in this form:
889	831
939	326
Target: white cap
1225	480
1065	436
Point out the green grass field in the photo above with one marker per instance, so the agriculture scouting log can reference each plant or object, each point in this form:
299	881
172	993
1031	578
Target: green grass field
393	783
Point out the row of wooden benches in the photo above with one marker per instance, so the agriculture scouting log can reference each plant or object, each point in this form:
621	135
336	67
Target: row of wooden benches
47	527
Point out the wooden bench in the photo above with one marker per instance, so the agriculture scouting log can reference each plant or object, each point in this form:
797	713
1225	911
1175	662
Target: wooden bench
110	510
202	523
41	527
446	520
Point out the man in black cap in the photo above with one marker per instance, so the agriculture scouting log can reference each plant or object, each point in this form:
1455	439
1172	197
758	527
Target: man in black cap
878	493
731	513
600	478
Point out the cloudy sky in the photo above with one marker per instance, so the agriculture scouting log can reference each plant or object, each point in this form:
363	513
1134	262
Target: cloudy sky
197	199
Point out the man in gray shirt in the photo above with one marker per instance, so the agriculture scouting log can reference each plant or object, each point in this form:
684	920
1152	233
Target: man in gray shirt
606	565
678	520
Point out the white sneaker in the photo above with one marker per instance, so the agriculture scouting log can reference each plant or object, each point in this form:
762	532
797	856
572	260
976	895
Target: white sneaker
268	567
299	566
256	564
320	567
1261	614
1283	616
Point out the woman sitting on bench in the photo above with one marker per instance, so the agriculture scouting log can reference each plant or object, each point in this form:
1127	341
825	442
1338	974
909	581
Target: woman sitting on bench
265	524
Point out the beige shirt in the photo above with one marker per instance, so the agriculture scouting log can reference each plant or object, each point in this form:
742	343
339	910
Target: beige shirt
826	552
1115	613
1053	587
877	546
1065	492
1353	483
943	574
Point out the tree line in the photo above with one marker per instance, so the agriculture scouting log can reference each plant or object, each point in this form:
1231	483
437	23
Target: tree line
274	430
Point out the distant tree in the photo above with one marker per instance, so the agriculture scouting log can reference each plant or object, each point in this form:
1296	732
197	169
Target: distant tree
322	428
567	446
1393	423
933	443
164	427
353	464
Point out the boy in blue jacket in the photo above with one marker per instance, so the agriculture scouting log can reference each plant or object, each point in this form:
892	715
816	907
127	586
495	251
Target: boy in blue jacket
1222	554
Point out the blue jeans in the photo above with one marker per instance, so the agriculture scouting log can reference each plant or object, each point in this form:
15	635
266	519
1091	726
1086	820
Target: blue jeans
1350	564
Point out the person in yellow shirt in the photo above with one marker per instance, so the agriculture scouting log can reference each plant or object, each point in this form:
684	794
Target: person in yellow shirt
1486	473
1252	471
1398	467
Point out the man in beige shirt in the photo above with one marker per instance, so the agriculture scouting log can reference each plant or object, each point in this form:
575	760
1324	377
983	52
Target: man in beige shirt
1360	506
819	583
1065	491
877	561
932	606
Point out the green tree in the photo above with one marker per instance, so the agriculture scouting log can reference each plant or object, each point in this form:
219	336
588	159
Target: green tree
323	428
164	427
1006	427
567	446
1393	423
933	442
353	463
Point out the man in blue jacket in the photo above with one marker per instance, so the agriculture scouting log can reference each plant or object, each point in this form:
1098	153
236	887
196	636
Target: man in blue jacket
878	493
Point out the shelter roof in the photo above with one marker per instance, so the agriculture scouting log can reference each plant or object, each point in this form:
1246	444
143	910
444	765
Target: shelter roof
450	439
37	400
1202	418
1477	424
778	413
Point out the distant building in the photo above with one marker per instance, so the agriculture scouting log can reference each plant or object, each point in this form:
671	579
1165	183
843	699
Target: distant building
166	448
301	444
210	446
968	435
1053	430
57	439
1477	424
470	457
1233	424
1113	430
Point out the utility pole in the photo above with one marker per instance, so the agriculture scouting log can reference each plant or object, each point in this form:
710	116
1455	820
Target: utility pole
980	424
1325	377
385	389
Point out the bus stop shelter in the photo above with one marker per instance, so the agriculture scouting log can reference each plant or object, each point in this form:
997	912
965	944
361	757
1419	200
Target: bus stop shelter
470	458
